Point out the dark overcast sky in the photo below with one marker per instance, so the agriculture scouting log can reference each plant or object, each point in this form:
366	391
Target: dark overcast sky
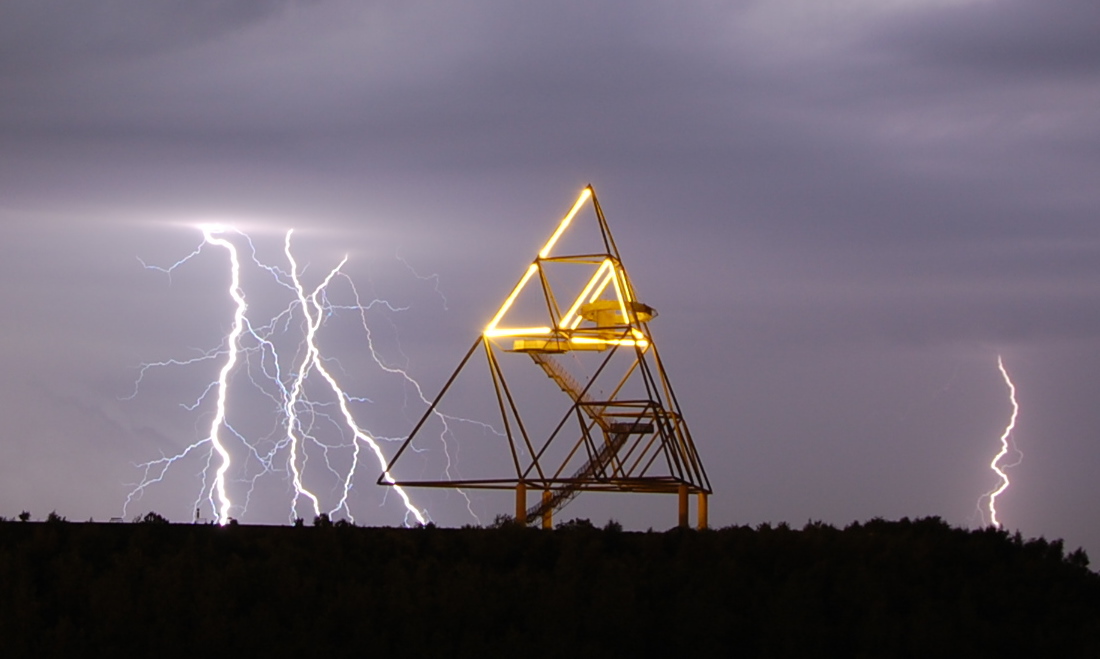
843	211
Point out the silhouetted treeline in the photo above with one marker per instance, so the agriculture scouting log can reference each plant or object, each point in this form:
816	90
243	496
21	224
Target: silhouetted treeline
907	588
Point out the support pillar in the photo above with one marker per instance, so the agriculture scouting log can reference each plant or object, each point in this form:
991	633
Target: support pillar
683	496
702	511
548	513
521	502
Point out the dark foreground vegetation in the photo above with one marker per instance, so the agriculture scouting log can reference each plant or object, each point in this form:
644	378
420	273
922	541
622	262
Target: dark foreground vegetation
907	588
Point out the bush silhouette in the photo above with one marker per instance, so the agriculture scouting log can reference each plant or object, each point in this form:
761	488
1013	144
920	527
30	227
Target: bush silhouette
152	518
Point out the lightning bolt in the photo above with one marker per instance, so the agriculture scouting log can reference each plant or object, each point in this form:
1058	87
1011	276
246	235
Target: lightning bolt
252	349
995	463
222	386
312	361
159	468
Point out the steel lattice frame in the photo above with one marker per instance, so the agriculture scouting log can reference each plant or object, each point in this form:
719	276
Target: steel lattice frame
623	442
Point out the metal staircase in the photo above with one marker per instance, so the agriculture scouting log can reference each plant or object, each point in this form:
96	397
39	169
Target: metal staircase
615	435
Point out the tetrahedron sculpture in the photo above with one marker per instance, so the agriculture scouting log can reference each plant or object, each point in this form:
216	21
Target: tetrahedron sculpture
575	319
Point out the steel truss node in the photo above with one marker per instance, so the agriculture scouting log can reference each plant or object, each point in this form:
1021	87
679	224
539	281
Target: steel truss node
623	431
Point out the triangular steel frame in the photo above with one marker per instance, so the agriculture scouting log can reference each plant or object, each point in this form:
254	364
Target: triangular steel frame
636	444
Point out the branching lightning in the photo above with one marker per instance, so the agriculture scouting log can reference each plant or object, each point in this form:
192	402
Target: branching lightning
251	349
1005	448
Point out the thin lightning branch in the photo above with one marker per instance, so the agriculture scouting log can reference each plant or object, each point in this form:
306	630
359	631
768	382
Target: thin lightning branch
434	278
994	465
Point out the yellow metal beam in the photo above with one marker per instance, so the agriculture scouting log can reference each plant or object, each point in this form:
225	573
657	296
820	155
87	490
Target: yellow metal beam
545	251
531	270
548	513
682	493
521	502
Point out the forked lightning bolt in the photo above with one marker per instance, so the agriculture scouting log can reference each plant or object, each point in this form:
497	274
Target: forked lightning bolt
314	311
252	348
995	464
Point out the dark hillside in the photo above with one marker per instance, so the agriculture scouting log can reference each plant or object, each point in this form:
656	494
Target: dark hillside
907	588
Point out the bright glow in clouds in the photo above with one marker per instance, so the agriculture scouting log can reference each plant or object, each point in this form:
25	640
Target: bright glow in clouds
250	350
995	464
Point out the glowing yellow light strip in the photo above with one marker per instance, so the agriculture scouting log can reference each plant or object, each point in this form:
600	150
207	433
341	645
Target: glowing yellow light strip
603	286
580	298
619	294
518	331
585	194
596	294
531	270
618	342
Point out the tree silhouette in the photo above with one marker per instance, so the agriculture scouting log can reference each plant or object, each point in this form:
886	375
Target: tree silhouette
152	518
880	588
